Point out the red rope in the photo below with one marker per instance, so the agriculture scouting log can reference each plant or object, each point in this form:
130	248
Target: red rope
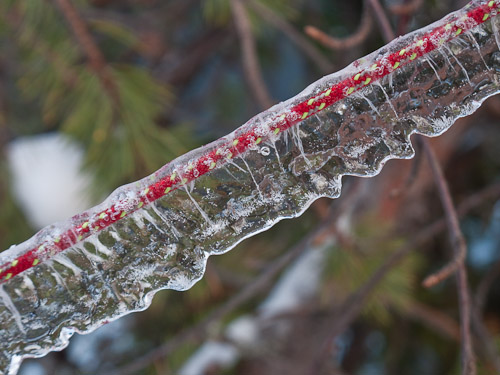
448	30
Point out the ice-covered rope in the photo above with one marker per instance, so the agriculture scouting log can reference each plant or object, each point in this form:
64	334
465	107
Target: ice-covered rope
449	29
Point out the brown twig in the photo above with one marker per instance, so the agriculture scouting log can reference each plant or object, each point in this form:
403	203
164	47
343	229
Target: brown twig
249	56
481	331
192	57
295	36
351	41
382	20
485	285
459	245
353	306
485	340
95	58
406	9
456	236
435	319
351	309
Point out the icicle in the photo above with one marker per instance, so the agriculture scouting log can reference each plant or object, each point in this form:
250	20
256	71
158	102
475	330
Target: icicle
459	64
200	210
272	142
67	263
100	247
298	142
169	225
253	178
474	41
430	62
387	99
374	109
447	59
7	302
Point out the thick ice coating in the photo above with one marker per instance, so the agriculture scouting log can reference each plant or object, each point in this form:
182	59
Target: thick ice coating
158	232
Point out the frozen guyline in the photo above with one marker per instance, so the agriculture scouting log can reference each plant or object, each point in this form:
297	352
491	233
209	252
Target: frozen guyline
160	186
157	233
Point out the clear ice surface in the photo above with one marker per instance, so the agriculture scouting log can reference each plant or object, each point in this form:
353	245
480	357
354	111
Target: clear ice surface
165	244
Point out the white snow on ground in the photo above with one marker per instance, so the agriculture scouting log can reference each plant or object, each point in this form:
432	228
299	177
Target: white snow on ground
46	177
209	354
243	330
299	282
115	336
32	368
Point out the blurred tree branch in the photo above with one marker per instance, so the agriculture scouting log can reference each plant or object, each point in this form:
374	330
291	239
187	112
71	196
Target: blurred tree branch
249	56
355	39
95	57
295	36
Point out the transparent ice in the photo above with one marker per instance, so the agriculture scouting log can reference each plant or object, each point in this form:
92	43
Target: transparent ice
166	243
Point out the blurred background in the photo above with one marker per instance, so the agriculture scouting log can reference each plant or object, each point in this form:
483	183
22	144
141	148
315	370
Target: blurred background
98	93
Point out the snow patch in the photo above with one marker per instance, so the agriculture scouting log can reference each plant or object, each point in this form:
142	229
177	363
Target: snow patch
47	180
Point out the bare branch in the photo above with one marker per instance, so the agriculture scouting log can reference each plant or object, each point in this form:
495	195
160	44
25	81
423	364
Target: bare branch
353	40
95	58
457	239
249	56
351	309
435	319
295	36
458	243
406	9
382	20
485	340
485	285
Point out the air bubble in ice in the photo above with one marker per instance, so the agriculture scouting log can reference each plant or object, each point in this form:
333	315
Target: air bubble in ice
265	151
495	61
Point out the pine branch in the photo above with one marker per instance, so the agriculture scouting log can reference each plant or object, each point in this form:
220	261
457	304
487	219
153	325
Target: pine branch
95	57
